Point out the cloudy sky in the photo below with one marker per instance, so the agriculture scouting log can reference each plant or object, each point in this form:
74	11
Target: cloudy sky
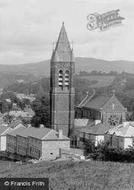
28	29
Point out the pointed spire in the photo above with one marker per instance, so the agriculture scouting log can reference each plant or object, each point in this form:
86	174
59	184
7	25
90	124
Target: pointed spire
62	50
63	42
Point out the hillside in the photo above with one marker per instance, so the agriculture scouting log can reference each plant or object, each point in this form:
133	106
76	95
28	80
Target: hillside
7	78
82	64
70	175
99	80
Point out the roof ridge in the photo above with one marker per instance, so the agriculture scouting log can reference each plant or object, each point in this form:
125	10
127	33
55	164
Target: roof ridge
5	131
47	133
86	99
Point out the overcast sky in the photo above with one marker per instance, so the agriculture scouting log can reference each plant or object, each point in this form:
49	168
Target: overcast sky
28	29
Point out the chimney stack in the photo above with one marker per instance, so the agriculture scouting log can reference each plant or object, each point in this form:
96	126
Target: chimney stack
60	134
41	125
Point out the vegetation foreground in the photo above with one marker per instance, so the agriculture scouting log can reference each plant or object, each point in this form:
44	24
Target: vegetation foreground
70	175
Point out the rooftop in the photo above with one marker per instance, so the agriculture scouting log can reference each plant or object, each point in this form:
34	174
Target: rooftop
99	129
3	129
97	102
41	133
17	130
125	130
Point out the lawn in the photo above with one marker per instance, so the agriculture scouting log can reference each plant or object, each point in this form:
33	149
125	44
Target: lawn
65	175
99	81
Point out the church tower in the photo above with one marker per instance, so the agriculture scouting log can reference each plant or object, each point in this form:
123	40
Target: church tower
62	85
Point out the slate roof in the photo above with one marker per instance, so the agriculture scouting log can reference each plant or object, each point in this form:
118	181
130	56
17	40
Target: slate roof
96	102
7	131
125	130
99	129
99	102
40	133
3	129
35	132
17	130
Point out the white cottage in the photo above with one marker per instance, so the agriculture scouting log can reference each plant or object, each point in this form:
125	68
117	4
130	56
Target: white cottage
121	136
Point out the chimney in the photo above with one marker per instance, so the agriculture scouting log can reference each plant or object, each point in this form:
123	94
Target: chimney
41	125
60	134
97	122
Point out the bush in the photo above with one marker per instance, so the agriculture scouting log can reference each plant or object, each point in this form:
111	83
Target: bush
89	147
105	152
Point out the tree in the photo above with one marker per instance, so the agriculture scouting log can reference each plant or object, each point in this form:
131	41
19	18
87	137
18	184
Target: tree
41	107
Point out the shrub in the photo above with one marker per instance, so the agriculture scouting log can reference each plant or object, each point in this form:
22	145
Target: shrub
105	152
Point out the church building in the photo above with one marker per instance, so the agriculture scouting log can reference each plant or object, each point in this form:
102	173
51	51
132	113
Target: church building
95	116
104	108
62	85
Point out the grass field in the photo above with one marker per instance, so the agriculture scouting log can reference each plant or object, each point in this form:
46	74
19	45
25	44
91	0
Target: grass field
101	81
65	175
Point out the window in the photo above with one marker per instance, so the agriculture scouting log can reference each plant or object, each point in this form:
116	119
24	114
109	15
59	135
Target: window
67	78
60	79
113	120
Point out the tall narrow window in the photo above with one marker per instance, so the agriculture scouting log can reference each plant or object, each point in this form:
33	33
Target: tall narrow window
67	78
60	79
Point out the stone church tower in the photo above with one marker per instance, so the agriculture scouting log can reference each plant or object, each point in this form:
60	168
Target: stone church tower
62	85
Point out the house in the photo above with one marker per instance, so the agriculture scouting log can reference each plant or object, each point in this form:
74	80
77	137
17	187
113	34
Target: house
3	131
43	142
37	143
4	136
11	140
94	132
121	136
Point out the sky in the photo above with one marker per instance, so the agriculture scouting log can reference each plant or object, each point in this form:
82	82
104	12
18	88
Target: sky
28	29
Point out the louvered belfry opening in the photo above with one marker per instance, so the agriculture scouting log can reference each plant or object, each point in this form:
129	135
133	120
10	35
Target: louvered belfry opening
67	79
60	79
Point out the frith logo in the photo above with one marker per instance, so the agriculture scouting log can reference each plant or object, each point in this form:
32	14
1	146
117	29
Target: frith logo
104	21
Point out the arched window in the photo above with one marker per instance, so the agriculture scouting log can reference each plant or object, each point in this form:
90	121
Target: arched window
67	78
60	79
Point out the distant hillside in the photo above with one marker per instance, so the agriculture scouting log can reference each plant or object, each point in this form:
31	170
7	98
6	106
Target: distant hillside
90	64
9	78
82	64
